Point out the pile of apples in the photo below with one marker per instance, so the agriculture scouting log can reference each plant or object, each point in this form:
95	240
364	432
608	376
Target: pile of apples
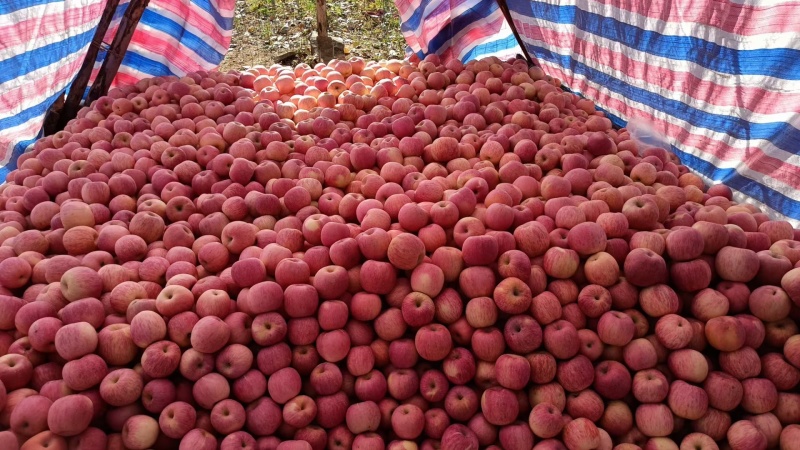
384	255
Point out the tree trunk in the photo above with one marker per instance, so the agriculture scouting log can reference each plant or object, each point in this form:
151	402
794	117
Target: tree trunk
324	44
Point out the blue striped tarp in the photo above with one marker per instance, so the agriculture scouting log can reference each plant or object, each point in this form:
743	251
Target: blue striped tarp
719	79
43	44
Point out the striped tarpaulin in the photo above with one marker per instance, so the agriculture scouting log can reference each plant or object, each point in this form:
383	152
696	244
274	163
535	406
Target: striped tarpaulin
43	44
174	37
462	29
720	79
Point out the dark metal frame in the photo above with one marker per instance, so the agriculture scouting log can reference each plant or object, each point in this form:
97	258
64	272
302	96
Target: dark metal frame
504	7
65	110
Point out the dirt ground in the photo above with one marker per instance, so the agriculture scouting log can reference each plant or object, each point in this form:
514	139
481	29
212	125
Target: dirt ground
269	31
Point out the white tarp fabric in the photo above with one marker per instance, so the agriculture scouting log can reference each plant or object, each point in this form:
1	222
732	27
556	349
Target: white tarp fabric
719	79
44	42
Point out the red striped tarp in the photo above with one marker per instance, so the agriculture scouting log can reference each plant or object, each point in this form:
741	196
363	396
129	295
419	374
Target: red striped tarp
719	79
462	29
43	44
